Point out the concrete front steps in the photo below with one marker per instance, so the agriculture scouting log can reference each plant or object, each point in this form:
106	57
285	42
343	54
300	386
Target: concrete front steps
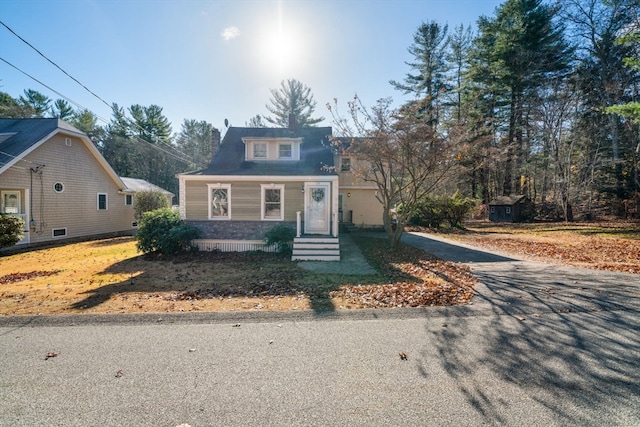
316	249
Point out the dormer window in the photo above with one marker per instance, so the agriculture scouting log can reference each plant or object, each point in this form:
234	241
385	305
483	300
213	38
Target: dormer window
285	152
268	149
260	151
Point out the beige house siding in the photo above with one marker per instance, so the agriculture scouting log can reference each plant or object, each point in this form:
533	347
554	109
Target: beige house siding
245	199
366	210
358	196
68	161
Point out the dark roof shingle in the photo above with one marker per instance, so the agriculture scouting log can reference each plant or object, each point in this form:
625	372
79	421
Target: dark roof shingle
316	157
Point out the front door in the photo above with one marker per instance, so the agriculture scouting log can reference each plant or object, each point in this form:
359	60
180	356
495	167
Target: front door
317	208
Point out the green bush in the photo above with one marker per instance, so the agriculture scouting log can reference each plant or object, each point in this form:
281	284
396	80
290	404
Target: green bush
11	230
147	201
281	236
433	211
457	208
162	231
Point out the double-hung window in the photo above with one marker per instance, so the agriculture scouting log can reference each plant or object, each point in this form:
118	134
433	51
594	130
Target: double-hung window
285	151
259	150
272	202
102	202
219	201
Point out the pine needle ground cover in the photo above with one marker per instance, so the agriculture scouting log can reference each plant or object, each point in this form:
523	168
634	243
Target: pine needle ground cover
110	276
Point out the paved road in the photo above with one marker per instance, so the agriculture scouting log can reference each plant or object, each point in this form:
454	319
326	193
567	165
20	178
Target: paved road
540	345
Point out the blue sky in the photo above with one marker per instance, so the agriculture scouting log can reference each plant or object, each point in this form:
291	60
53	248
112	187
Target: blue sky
211	60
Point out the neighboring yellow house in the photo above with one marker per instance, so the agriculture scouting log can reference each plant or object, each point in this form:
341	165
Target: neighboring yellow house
358	203
56	180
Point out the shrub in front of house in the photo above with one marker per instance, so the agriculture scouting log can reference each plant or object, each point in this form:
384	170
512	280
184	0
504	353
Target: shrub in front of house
11	230
162	231
147	201
281	237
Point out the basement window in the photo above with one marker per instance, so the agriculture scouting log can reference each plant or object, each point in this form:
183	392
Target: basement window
59	232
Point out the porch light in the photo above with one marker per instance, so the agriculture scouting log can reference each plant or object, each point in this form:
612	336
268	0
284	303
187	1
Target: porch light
302	188
32	225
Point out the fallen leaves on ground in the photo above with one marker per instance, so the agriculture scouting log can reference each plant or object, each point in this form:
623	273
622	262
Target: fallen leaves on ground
17	277
421	280
590	245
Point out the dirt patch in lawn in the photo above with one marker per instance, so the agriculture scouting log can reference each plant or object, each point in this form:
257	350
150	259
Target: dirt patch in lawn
610	246
110	276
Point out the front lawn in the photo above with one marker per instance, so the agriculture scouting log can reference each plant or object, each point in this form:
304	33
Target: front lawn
110	276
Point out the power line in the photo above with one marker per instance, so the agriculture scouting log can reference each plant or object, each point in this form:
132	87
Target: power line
54	64
51	89
185	158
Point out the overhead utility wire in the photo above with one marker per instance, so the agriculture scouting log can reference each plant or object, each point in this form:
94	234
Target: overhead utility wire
175	156
51	89
184	159
54	64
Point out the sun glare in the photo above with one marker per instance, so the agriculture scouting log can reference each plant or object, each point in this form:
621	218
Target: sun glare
280	46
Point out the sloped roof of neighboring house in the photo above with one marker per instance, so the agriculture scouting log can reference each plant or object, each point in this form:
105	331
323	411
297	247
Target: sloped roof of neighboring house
135	185
506	200
19	137
316	157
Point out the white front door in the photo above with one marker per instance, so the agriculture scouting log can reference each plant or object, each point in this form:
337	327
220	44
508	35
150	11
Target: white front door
317	208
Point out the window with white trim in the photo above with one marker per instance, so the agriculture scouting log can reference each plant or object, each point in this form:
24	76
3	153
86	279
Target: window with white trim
285	151
58	232
219	201
272	202
128	199
103	201
259	150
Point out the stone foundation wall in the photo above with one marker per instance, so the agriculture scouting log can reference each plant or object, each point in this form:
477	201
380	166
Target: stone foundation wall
236	230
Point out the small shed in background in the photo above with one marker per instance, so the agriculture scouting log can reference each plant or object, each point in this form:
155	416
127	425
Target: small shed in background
510	209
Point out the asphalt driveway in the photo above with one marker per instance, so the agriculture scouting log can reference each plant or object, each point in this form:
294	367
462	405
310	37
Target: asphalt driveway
518	287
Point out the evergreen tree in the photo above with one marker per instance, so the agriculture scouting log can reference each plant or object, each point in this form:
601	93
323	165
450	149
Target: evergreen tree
429	49
62	110
196	141
35	102
515	53
292	99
